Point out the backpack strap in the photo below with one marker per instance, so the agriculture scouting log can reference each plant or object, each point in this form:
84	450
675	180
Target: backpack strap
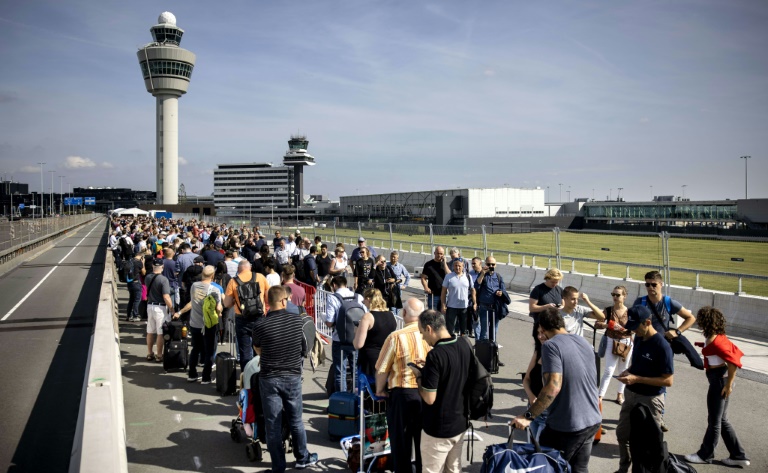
668	305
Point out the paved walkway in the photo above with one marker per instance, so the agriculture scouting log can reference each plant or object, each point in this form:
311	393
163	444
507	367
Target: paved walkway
176	426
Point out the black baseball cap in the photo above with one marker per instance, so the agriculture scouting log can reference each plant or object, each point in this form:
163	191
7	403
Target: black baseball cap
157	262
636	316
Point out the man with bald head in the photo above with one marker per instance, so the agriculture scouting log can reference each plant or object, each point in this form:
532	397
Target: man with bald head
396	380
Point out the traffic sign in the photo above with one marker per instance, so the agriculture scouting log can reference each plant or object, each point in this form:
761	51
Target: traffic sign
90	201
21	206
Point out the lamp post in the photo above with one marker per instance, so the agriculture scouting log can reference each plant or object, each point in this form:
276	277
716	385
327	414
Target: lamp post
746	183
684	186
41	191
651	193
618	194
561	192
547	193
61	196
52	206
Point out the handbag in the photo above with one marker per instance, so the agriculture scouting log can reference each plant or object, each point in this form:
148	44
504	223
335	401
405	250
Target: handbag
621	349
603	346
680	344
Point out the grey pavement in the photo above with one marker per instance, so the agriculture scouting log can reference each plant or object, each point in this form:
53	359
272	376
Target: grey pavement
176	426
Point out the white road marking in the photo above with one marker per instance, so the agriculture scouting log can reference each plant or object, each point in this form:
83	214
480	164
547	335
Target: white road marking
49	273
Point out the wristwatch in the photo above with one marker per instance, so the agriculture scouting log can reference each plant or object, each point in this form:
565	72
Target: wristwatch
528	415
677	331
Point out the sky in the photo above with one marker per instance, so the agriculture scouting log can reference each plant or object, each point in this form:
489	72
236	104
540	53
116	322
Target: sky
654	97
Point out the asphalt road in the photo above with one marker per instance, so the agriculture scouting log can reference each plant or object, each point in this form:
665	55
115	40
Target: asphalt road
44	341
173	425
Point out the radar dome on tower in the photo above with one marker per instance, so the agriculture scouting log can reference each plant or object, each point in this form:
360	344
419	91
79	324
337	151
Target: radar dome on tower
166	18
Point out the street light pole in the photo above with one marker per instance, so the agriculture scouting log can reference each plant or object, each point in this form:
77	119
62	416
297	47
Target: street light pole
61	197
41	191
52	208
684	186
746	183
561	192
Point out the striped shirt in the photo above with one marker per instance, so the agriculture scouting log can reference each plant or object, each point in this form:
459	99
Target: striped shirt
402	347
281	339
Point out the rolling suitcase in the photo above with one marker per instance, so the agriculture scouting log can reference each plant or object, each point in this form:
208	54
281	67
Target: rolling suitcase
226	366
344	407
176	356
487	351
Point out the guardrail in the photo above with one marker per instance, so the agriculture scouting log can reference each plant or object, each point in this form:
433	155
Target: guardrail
99	443
21	236
320	304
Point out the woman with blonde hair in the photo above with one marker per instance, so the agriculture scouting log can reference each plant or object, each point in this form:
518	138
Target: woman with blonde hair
374	328
721	360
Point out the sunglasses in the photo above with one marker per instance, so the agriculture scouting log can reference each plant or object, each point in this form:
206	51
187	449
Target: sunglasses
614	294
491	264
651	284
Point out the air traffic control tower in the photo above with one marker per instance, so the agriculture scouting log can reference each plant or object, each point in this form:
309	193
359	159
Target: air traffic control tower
167	69
298	157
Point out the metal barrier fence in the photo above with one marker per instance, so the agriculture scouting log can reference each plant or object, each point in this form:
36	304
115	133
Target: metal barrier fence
22	231
730	264
321	306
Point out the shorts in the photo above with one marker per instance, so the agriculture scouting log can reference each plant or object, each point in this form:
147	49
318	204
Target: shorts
156	315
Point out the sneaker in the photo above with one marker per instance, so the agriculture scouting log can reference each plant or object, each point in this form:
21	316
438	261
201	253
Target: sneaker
732	462
312	460
664	427
205	382
501	364
500	345
193	379
135	319
694	458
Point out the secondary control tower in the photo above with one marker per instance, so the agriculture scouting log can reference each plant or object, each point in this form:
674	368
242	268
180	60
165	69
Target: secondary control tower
166	69
298	157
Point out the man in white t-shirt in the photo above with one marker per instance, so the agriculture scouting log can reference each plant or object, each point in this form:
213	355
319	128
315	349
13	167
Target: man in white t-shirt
573	314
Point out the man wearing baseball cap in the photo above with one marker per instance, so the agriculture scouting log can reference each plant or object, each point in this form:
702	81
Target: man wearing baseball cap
647	378
356	252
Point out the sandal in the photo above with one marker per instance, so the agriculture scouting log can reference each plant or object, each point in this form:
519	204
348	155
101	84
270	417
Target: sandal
150	357
158	358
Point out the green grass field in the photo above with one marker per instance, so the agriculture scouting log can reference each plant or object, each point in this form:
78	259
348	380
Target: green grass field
609	249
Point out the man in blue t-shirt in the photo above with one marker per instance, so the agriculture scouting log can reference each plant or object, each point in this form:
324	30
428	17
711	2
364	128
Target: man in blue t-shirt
647	378
654	285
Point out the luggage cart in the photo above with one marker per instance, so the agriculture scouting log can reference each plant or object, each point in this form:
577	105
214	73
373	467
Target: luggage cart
374	450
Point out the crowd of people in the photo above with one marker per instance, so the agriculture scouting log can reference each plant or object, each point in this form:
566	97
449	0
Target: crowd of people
170	267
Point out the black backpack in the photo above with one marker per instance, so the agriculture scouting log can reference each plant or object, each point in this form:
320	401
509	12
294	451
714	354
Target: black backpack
248	295
348	317
298	264
479	390
132	270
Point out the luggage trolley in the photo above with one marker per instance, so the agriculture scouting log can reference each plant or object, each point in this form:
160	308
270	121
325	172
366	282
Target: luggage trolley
375	448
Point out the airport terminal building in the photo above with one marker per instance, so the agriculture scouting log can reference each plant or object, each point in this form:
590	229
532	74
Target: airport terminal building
449	206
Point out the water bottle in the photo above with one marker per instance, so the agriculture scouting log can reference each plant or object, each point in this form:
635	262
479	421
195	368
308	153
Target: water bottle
612	325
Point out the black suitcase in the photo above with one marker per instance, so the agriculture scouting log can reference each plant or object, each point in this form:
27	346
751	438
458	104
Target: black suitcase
487	351
226	367
176	355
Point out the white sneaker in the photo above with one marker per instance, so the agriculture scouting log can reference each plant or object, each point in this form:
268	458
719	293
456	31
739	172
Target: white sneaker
500	345
694	458
732	462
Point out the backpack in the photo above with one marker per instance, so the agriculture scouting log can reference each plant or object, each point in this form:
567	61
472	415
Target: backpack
478	391
248	295
349	315
132	270
298	263
210	316
309	333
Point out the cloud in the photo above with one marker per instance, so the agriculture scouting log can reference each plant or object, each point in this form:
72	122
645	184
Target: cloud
8	97
107	165
489	72
645	120
29	169
77	162
183	161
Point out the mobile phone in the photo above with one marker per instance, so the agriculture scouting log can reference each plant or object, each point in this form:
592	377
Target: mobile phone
414	365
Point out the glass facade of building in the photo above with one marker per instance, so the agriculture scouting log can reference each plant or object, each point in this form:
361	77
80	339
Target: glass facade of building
167	68
167	35
686	210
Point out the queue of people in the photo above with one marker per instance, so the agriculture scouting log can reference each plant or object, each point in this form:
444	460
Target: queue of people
421	368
